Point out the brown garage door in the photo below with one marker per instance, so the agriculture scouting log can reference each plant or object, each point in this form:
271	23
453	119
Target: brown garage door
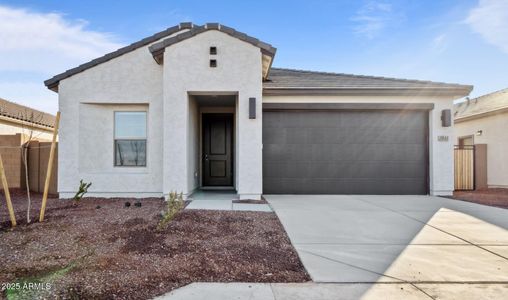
345	152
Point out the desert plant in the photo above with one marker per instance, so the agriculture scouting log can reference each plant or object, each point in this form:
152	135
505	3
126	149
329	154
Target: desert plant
174	204
82	190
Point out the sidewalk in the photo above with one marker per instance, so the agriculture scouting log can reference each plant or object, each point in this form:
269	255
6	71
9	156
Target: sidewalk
334	291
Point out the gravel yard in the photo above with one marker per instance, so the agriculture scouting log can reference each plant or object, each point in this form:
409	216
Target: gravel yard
492	197
101	249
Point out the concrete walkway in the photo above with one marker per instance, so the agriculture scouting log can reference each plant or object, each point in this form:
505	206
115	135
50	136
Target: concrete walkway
384	247
222	200
227	205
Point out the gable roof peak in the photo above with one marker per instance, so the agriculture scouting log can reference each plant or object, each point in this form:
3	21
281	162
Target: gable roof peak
267	50
173	35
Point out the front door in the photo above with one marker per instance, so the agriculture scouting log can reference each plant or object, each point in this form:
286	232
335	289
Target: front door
217	149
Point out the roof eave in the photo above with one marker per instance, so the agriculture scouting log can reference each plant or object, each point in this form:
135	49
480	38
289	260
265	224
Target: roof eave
272	56
19	121
52	83
427	91
481	115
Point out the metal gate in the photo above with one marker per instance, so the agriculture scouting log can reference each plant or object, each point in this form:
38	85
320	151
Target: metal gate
464	167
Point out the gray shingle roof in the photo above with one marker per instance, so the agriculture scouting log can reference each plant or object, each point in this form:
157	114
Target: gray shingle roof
24	113
288	79
490	103
52	83
157	48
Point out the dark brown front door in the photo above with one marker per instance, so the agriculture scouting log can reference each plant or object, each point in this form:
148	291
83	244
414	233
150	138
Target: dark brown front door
217	149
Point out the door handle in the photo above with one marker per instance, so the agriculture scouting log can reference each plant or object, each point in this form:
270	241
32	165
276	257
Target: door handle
206	156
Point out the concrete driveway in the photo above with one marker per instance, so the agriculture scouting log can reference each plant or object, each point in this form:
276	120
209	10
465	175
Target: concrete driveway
436	245
382	247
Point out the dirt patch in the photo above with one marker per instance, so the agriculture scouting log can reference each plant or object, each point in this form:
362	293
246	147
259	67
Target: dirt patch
492	197
116	252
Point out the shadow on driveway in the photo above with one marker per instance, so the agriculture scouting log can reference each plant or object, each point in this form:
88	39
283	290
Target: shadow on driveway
437	246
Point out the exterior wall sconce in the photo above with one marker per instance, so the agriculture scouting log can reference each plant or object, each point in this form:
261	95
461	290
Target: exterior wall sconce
252	108
479	132
446	117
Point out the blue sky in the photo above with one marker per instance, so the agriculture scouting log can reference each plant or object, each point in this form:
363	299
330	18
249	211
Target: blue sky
460	41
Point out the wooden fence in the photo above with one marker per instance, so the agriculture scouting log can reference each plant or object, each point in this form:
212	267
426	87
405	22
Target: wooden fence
464	158
38	157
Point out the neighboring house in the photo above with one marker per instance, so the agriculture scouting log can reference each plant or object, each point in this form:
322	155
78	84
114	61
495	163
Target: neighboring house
16	124
16	118
201	107
484	120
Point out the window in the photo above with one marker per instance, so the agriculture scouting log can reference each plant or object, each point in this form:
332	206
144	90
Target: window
213	63
130	138
213	50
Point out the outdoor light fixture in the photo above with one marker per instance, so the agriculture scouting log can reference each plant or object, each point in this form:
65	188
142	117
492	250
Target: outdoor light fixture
446	117
252	108
479	132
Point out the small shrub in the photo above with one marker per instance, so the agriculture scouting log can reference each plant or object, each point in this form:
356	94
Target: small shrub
174	205
83	189
127	204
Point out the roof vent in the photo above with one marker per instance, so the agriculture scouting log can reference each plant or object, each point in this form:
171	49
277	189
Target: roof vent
212	26
186	25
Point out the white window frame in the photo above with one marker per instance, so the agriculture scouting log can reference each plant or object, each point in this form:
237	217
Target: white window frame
130	139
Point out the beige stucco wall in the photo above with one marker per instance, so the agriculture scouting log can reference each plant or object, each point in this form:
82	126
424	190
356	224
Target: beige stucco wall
13	127
495	134
193	145
187	70
87	102
440	153
135	81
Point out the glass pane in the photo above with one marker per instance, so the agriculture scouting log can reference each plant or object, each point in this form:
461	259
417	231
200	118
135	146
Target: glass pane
130	124
130	153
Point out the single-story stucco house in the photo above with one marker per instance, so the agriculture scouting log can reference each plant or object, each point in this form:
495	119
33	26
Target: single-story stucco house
18	125
201	107
484	120
19	119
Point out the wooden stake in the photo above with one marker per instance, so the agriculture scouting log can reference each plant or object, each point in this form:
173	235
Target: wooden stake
7	194
50	168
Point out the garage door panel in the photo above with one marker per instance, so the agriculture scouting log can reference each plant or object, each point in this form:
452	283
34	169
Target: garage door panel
276	136
330	170
345	152
295	135
325	135
345	186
